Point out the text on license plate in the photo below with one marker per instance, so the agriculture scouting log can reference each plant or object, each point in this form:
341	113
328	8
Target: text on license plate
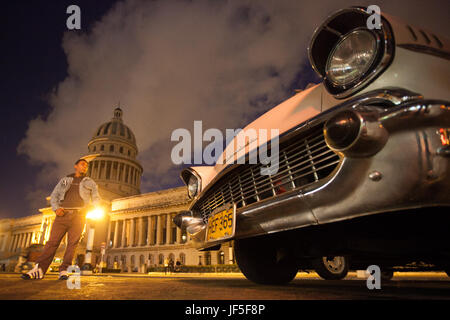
220	225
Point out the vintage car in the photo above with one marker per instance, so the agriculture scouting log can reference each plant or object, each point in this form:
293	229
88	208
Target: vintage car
363	162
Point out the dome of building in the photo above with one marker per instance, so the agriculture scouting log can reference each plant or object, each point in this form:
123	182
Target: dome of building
112	159
116	128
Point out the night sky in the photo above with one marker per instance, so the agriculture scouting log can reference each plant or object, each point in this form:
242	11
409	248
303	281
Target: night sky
168	63
32	61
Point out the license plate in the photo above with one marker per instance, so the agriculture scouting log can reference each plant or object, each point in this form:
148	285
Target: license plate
221	224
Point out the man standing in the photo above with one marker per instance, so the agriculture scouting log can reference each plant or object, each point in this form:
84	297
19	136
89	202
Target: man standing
70	199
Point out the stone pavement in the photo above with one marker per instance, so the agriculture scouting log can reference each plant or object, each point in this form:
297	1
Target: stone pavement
222	286
173	295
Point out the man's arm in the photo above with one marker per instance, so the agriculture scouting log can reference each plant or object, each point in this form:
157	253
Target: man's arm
95	196
56	196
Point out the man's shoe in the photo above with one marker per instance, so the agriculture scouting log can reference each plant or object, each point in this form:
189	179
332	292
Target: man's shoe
34	274
63	275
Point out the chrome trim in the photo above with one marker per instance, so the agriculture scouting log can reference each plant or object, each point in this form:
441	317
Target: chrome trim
197	231
371	136
194	226
186	181
375	176
388	95
427	50
184	218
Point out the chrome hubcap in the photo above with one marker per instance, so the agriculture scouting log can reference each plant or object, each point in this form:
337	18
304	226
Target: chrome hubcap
334	264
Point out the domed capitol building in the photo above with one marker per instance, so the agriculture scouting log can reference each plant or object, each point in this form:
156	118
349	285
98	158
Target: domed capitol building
112	159
136	233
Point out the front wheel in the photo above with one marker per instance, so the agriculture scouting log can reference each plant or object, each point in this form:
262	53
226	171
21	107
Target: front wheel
261	261
331	267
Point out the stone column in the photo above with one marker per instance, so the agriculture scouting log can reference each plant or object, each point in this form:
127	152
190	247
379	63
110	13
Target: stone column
141	231
48	229
42	232
118	170
24	240
16	241
122	172
103	172
126	174
28	239
92	172
124	230
11	245
21	241
158	229
108	235
116	234
168	228
150	234
230	255
27	242
139	179
5	242
132	231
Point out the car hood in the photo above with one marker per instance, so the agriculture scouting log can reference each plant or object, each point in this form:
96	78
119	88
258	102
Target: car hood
287	115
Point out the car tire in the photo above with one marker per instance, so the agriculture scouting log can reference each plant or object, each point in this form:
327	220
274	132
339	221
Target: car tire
331	268
262	262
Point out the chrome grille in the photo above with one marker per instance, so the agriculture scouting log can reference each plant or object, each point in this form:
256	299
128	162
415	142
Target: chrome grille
301	162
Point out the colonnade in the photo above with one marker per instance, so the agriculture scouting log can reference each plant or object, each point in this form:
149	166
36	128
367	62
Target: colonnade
22	240
115	170
144	231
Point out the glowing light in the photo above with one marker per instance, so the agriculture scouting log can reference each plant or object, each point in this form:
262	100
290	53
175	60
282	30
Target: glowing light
445	138
95	214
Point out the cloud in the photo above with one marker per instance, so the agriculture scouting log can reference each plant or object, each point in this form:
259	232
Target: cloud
172	62
36	198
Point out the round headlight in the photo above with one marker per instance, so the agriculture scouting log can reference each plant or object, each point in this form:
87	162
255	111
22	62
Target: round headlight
192	186
352	57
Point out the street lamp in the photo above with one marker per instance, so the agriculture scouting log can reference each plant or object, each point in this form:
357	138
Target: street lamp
92	216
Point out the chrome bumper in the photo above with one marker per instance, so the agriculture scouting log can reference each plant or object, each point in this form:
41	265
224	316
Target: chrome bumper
411	170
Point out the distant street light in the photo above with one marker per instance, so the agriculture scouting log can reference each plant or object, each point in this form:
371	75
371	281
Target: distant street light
92	216
96	214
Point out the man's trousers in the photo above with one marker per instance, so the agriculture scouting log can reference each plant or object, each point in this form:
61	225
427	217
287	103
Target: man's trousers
71	223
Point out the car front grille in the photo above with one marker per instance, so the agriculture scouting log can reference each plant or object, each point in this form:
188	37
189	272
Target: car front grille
303	160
